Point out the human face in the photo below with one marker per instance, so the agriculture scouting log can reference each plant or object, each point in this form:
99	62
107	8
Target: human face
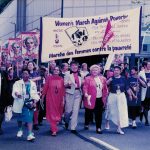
95	71
30	44
56	71
25	75
11	73
84	67
30	66
133	72
74	67
122	66
52	64
66	67
16	48
117	72
148	66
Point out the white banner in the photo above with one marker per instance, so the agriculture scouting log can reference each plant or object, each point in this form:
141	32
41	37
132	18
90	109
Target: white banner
77	37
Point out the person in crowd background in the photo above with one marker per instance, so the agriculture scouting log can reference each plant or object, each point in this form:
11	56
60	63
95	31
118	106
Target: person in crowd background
134	105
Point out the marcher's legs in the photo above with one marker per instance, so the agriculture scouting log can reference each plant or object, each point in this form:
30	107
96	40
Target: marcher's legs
88	113
75	111
1	120
69	100
98	110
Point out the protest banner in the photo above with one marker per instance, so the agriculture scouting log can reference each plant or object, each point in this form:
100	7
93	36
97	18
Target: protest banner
15	49
30	45
78	37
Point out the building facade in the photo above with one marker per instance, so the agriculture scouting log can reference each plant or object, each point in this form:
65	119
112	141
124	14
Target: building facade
24	15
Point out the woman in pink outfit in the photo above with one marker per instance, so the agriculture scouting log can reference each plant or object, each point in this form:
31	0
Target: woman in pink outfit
95	93
54	91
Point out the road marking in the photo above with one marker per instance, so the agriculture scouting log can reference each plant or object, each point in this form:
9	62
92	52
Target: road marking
108	146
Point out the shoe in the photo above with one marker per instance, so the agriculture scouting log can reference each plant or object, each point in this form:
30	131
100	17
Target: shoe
35	127
40	124
53	134
119	131
146	123
20	134
134	126
30	137
107	127
141	116
86	127
74	131
99	131
1	131
66	125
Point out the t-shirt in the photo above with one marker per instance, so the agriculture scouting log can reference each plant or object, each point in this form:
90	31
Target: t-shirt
135	86
120	84
148	85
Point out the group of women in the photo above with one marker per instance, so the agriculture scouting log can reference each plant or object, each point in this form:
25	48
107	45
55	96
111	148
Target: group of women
64	89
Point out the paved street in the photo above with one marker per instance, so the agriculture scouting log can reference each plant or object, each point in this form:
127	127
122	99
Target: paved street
134	139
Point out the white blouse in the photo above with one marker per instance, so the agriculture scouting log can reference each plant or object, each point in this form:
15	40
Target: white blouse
99	87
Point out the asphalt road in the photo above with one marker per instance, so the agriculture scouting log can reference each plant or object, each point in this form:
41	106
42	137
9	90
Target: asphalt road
134	139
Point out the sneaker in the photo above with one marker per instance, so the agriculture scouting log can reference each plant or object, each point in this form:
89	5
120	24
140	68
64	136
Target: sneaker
20	133
134	125
30	137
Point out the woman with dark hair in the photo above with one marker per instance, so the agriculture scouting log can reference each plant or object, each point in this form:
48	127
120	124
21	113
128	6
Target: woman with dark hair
25	98
54	91
134	105
34	76
117	103
8	81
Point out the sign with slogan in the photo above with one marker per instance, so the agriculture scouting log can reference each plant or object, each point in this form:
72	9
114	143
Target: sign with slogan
78	37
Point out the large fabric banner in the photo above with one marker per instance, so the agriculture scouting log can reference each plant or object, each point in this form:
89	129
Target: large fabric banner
15	49
77	37
30	45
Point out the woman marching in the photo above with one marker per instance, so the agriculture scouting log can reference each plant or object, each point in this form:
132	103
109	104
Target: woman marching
54	90
117	103
134	105
95	94
25	98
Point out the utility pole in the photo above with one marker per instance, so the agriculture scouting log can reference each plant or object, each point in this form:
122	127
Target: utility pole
62	8
15	31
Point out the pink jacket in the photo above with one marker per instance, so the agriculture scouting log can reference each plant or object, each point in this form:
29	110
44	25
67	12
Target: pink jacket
89	87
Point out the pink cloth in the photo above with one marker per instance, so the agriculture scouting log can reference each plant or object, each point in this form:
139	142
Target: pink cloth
54	90
76	78
89	87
